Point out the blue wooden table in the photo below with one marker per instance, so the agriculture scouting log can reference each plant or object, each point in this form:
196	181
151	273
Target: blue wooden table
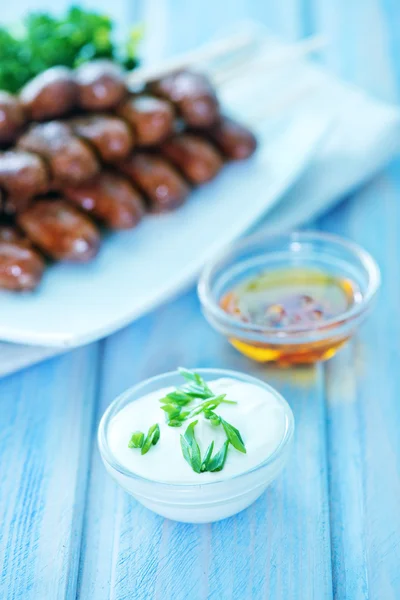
330	527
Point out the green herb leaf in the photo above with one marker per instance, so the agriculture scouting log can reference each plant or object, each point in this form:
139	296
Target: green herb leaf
208	405
212	417
186	451
175	423
195	391
233	436
222	400
189	375
178	397
207	457
152	437
175	415
196	411
195	378
42	41
218	461
171	410
190	448
156	435
136	440
195	449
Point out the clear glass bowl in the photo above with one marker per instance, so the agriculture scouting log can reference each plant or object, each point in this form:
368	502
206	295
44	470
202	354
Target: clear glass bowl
294	343
199	502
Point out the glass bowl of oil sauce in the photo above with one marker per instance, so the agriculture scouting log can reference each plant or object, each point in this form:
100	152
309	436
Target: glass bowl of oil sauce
290	299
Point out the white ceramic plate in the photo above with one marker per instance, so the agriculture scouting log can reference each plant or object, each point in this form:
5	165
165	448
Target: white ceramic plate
137	270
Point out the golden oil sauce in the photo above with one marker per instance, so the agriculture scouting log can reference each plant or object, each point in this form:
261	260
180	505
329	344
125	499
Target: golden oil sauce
299	297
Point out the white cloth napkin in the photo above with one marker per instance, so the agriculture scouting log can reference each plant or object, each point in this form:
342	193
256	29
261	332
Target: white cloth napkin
365	135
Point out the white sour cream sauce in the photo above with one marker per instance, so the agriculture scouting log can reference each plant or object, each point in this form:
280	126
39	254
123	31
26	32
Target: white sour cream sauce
258	415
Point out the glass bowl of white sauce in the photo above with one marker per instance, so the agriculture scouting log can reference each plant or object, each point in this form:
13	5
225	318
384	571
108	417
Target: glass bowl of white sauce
163	481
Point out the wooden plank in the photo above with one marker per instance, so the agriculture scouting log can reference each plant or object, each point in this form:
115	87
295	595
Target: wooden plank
46	426
350	53
362	387
364	415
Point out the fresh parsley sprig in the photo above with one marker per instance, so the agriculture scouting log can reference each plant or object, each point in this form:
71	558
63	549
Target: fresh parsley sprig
138	440
43	40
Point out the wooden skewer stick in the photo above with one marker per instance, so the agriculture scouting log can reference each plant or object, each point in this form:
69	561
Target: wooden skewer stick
263	62
204	54
242	64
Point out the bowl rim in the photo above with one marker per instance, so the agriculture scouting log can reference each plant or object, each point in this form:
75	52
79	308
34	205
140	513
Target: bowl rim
211	306
113	409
